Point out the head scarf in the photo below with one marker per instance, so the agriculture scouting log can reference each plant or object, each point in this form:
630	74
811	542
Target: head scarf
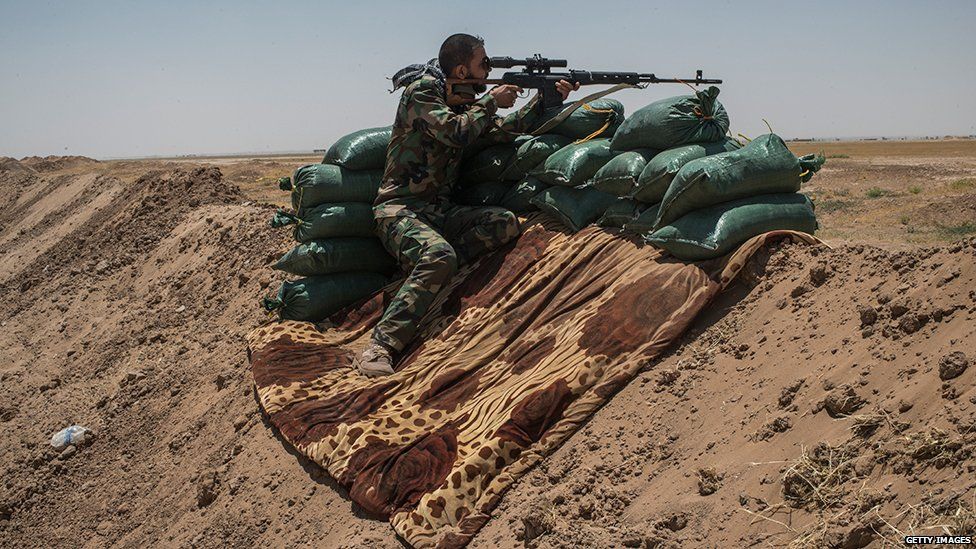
409	74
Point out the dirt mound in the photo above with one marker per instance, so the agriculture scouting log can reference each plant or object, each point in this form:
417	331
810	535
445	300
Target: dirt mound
948	212
827	401
827	398
12	165
131	324
15	177
55	163
98	224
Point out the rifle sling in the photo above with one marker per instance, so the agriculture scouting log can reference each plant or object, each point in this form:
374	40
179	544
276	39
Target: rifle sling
564	114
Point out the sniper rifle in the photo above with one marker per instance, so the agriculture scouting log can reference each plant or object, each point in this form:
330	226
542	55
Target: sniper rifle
537	74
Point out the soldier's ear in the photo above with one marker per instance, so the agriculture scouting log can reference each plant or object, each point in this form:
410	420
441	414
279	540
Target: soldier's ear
461	71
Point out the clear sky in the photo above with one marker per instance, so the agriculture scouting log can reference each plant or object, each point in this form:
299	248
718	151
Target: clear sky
138	78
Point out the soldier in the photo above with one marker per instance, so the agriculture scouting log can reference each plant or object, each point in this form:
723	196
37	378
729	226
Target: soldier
415	219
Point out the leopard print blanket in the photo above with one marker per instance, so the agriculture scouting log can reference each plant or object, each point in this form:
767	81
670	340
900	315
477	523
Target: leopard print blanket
515	354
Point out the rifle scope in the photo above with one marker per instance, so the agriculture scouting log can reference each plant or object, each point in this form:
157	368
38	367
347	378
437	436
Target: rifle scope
536	63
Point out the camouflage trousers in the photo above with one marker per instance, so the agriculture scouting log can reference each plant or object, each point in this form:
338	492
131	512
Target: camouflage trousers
430	245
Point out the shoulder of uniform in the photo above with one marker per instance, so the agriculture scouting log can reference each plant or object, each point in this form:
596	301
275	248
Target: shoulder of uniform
425	84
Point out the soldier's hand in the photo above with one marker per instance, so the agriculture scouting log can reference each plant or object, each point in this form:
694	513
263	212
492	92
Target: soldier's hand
505	94
564	87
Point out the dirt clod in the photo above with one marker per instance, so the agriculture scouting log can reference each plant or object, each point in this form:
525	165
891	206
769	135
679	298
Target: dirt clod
206	491
843	401
709	481
674	522
819	274
536	524
898	308
952	365
868	314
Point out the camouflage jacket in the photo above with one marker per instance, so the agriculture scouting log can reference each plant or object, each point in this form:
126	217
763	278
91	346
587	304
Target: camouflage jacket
424	155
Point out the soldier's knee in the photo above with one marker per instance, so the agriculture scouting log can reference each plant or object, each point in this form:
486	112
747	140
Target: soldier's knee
443	257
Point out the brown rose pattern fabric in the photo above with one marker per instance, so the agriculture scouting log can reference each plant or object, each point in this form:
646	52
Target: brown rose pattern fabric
512	357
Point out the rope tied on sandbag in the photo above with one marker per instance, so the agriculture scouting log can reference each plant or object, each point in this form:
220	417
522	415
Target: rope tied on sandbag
271	305
698	112
282	218
706	97
611	116
811	164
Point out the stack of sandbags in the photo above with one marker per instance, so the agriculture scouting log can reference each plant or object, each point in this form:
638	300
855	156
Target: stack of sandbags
568	171
338	252
643	150
618	177
563	175
695	192
719	201
488	174
512	175
657	175
614	183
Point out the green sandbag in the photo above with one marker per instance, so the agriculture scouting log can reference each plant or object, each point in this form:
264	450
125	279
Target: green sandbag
587	119
576	208
315	298
717	230
329	220
673	122
491	193
476	147
515	171
643	223
660	170
487	165
518	199
362	150
621	212
336	255
619	175
764	166
316	184
536	150
574	164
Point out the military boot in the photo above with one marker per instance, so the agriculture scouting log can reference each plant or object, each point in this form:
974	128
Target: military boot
376	360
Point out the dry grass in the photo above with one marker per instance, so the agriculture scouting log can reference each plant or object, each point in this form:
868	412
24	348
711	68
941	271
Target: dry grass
934	445
965	184
865	425
816	477
819	481
957	519
952	232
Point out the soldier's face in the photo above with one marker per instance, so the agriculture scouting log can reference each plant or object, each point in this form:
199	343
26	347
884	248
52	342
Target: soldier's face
478	65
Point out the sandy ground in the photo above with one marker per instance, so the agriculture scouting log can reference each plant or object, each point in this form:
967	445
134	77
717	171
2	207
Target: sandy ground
826	399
